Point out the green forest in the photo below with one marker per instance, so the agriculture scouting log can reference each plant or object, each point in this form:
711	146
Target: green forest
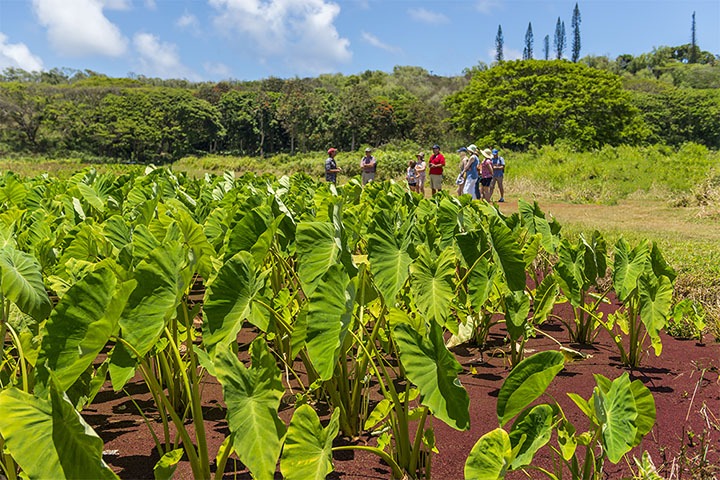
665	97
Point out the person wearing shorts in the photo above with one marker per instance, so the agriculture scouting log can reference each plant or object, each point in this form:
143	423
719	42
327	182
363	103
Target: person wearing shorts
487	174
437	163
498	164
368	165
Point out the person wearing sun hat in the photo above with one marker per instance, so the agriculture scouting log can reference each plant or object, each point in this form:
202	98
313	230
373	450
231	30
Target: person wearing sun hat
437	162
471	172
368	166
487	174
331	168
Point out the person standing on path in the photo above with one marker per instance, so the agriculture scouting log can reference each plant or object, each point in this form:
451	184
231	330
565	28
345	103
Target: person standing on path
420	168
471	172
487	175
498	164
437	163
331	168
368	165
463	160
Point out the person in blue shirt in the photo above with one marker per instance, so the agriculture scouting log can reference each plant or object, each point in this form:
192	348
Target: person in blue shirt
498	164
331	168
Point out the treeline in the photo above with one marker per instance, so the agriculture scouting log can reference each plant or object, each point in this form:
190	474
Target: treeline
149	120
652	98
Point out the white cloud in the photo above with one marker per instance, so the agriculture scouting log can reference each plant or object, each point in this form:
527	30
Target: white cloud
187	20
487	6
376	42
79	27
301	33
150	4
217	69
160	59
18	55
426	16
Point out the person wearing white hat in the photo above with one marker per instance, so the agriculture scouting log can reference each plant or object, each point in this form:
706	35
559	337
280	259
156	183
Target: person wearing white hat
487	174
368	165
420	168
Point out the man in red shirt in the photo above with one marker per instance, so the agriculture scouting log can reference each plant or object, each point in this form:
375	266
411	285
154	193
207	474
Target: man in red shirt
437	162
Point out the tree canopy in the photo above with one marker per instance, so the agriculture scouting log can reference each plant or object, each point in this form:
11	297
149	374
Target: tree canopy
535	102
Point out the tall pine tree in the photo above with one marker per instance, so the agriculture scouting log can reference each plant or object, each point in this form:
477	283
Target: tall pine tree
499	57
546	47
528	50
560	39
576	33
693	57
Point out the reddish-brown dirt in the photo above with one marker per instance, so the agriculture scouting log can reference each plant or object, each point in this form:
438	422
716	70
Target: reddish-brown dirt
683	443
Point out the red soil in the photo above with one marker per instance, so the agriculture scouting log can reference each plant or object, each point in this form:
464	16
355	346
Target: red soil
683	380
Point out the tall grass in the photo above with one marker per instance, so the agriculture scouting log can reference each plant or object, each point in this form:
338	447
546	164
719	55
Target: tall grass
613	173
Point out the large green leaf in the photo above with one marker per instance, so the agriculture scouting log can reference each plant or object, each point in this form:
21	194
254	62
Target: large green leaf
433	369
655	305
517	308
252	396
490	457
318	249
531	431
228	300
645	406
82	323
534	220
161	279
480	282
569	271
432	284
628	266
22	283
617	413
595	257
544	300
307	454
328	318
48	438
526	382
253	233
507	254
389	262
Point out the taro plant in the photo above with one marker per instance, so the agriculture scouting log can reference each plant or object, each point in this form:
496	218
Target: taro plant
578	269
643	282
430	388
620	412
687	320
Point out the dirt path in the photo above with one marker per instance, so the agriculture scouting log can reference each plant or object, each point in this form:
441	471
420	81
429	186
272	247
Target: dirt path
655	218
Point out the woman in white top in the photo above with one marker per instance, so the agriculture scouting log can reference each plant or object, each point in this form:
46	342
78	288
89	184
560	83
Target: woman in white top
420	169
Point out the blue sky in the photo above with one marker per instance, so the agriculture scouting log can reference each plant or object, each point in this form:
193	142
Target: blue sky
252	39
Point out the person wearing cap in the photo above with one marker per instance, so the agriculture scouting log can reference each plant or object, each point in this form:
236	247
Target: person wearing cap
437	163
460	182
331	168
498	164
487	174
368	165
420	168
471	172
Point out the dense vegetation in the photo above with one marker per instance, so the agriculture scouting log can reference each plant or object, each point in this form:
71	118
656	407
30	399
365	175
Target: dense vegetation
653	98
347	289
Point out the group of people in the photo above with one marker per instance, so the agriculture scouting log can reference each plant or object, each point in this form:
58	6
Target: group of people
476	178
479	177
